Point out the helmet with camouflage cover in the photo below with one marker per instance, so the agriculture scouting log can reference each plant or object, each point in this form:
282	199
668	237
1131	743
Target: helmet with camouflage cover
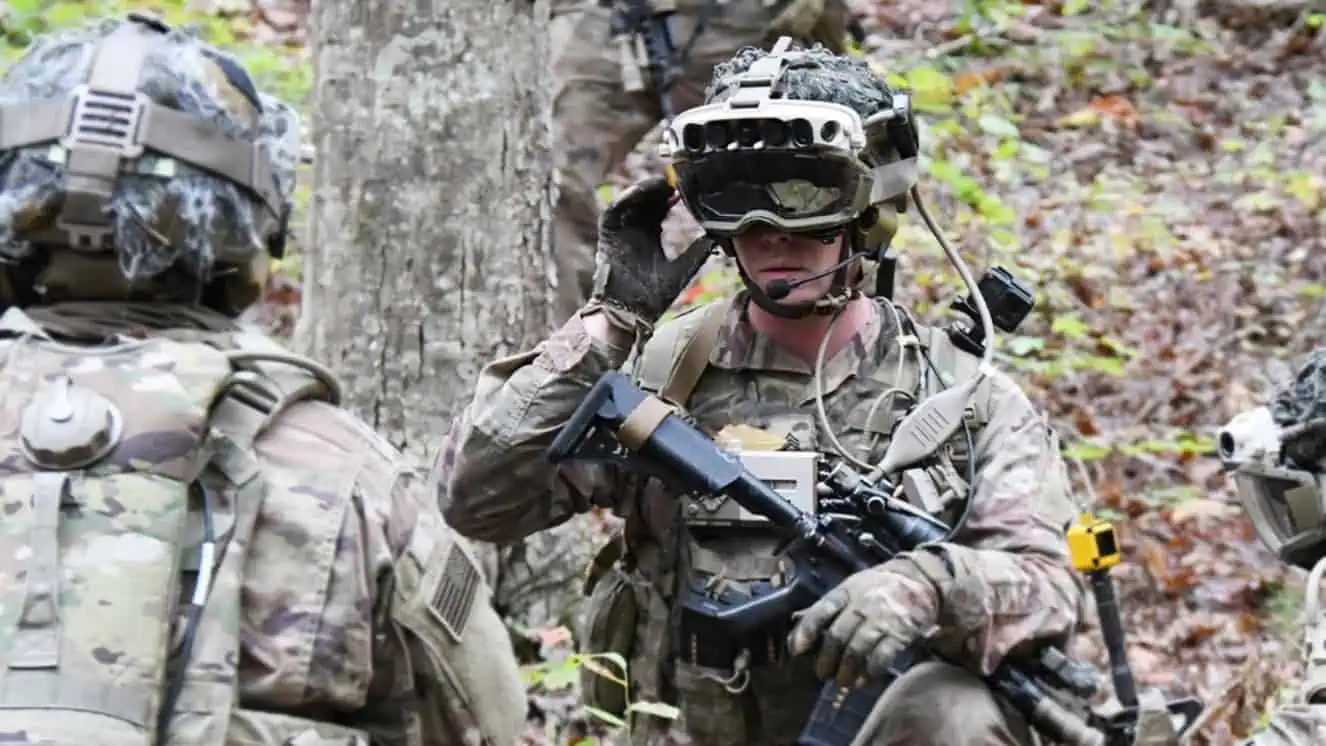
140	163
804	141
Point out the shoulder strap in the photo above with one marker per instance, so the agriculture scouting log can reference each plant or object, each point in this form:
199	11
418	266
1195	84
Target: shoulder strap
672	362
952	363
268	379
694	357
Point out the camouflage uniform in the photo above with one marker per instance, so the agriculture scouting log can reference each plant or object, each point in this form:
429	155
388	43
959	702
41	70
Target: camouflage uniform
321	597
597	123
1010	559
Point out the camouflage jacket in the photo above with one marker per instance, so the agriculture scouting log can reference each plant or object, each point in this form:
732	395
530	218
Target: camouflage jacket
1011	554
341	561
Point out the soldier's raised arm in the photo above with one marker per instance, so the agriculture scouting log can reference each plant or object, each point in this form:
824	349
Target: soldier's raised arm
495	482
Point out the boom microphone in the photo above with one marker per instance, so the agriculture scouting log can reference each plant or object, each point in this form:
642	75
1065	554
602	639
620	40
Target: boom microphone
780	289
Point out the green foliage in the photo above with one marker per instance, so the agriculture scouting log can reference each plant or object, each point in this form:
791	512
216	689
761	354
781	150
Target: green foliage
280	70
564	674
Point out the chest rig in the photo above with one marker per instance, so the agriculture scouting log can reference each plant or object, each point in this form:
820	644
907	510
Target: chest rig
785	451
724	549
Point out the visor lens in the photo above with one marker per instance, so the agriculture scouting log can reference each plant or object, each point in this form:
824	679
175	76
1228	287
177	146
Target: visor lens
797	192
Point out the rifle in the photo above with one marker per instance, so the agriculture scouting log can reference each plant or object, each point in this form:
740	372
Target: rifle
643	34
619	422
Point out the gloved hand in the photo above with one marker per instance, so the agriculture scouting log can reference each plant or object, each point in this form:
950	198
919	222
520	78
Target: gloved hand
641	278
867	621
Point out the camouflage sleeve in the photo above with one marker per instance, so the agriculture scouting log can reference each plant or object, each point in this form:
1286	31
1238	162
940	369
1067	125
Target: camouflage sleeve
1012	582
494	479
445	649
365	603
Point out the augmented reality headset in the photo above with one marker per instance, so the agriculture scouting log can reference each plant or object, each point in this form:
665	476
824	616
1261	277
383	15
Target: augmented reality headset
795	165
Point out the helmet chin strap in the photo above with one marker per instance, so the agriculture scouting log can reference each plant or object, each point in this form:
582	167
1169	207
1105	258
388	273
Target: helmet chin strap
840	293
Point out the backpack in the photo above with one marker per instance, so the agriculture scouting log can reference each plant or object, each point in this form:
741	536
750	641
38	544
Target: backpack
129	493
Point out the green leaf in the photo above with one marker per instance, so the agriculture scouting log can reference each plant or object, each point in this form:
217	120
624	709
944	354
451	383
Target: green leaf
1022	346
592	663
931	89
561	675
606	717
1086	451
998	126
1069	326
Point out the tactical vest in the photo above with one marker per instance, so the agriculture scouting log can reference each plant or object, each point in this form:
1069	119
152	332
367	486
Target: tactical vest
131	490
671	366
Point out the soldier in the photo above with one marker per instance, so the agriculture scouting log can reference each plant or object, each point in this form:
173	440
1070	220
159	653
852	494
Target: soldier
201	545
797	223
599	119
1278	456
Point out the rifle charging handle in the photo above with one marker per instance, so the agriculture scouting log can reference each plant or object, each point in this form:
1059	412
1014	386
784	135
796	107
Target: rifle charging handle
1093	548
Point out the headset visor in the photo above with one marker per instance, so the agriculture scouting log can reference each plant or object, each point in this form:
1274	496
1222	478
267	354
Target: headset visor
1285	507
798	192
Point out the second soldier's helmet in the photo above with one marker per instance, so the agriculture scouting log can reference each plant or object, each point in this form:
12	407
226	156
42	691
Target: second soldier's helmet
1277	454
138	162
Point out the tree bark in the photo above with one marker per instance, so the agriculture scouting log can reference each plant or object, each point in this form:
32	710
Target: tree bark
428	248
430	232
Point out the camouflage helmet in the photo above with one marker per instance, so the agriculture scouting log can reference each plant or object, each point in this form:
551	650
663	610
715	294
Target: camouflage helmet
132	144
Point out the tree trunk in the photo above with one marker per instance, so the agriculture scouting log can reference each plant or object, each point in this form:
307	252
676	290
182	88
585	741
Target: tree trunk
428	249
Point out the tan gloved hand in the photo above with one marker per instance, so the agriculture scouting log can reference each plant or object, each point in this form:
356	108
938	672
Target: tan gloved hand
863	624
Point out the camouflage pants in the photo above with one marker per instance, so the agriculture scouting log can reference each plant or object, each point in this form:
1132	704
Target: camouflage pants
597	123
933	704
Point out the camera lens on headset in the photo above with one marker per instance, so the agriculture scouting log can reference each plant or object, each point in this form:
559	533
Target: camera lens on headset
748	133
803	134
717	135
692	136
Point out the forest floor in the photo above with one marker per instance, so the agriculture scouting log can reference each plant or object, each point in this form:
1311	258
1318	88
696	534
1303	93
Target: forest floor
1160	177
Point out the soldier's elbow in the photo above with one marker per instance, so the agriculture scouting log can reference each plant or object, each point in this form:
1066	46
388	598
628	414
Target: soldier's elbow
464	506
481	507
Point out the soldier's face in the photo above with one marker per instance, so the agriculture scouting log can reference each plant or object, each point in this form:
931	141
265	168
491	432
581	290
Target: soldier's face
768	254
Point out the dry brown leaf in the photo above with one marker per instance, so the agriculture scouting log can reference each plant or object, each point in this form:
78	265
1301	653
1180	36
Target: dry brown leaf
1116	107
975	79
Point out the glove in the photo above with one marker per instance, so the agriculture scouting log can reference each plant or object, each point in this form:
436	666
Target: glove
867	621
641	278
